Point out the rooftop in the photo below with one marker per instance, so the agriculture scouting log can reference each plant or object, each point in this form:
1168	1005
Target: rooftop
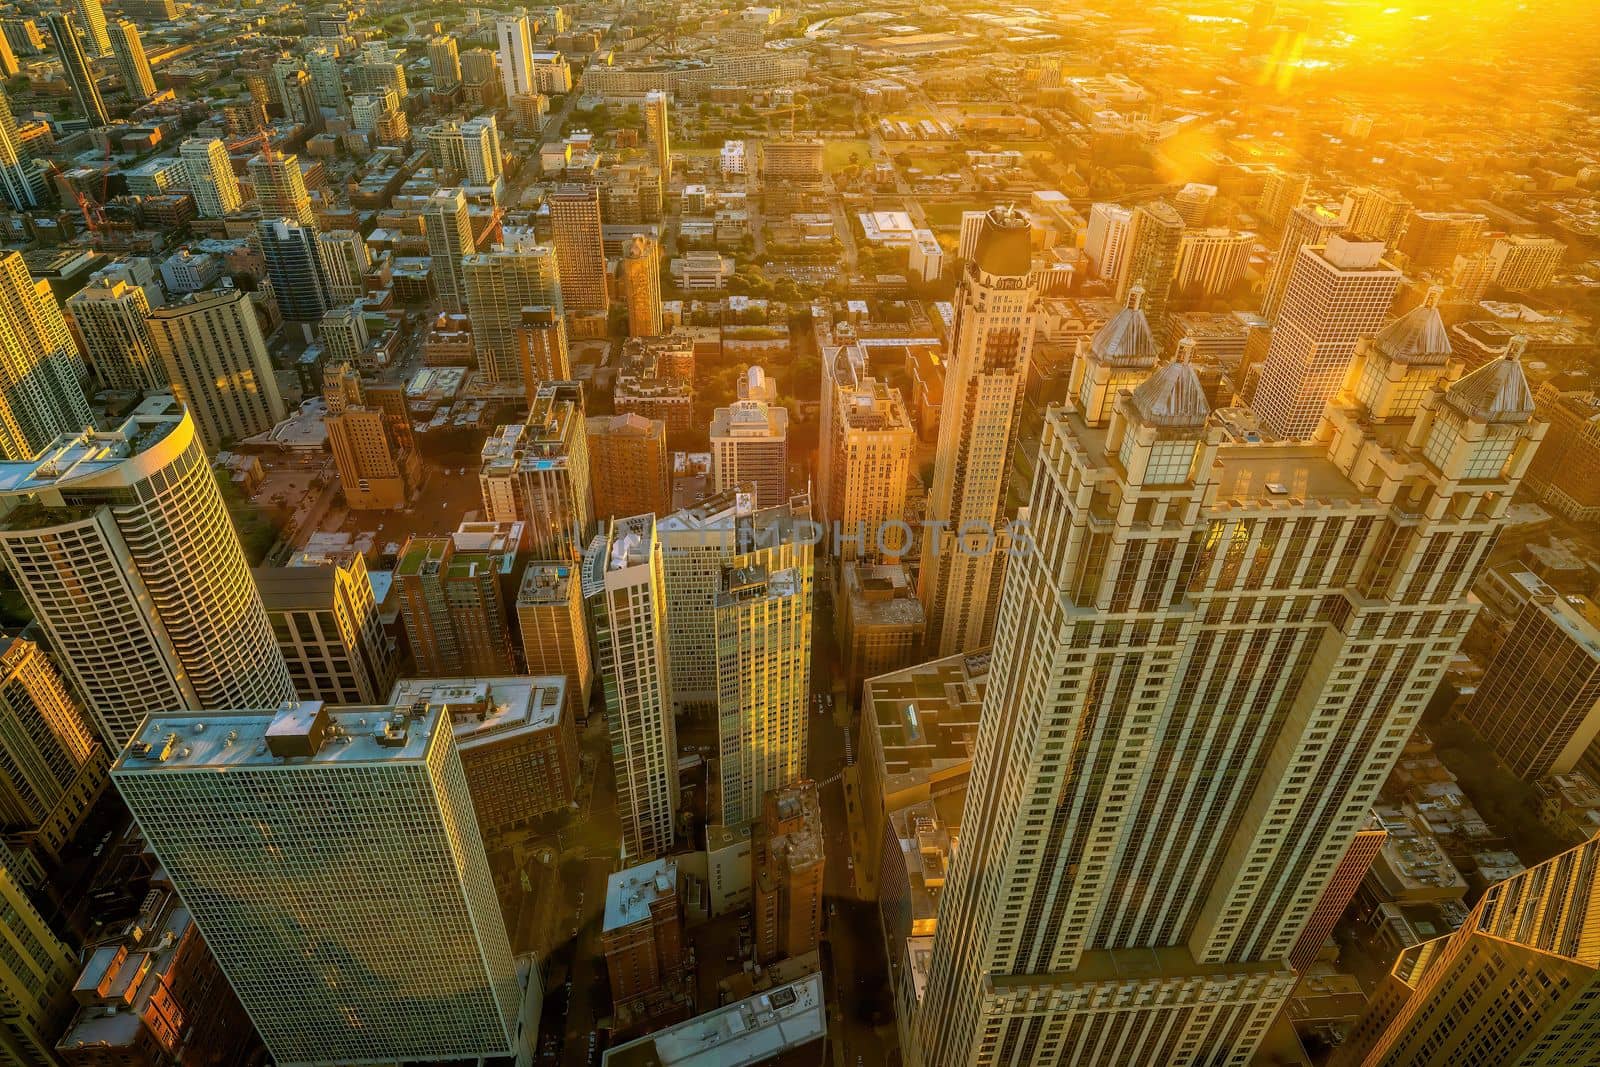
485	710
926	718
630	892
95	459
756	1030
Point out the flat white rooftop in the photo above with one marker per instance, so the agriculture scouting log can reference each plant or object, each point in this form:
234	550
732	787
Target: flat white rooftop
740	1034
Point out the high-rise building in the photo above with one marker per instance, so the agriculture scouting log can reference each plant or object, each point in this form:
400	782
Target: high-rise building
624	588
865	451
985	367
52	768
1433	239
342	332
327	83
881	624
345	261
1309	224
211	179
515	35
377	467
1565	475
1211	261
658	133
763	623
1514	986
1379	213
444	62
541	340
641	285
80	75
1154	238
1471	276
324	615
455	600
281	188
629	467
449	233
750	449
295	270
555	636
537	473
222	798
22	182
1524	263
124	552
40	397
1175	585
1338	293
642	936
36	973
575	231
137	80
698	544
1281	193
1538	705
518	742
1353	867
786	859
480	76
91	20
110	316
516	273
213	353
1106	241
468	150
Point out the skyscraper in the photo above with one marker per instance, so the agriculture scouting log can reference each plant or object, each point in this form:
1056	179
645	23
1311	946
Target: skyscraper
575	230
377	468
1154	238
211	178
1106	242
1353	867
658	134
80	75
750	449
1282	192
1130	879
91	20
1378	212
518	272
295	270
1538	705
444	61
345	261
763	627
1433	239
327	84
110	316
537	472
469	151
985	367
786	873
455	600
325	617
281	188
125	554
1514	986
52	768
641	285
310	946
515	34
40	397
624	588
629	467
137	80
555	634
213	353
1338	293
449	233
1309	224
21	180
541	341
36	973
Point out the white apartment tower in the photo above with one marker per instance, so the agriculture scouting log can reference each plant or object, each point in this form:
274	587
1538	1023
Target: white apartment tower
1338	293
213	353
515	34
750	449
624	587
40	397
763	635
394	952
125	553
211	179
449	232
345	262
281	188
469	149
986	366
1106	241
110	314
137	80
1201	676
518	272
865	451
